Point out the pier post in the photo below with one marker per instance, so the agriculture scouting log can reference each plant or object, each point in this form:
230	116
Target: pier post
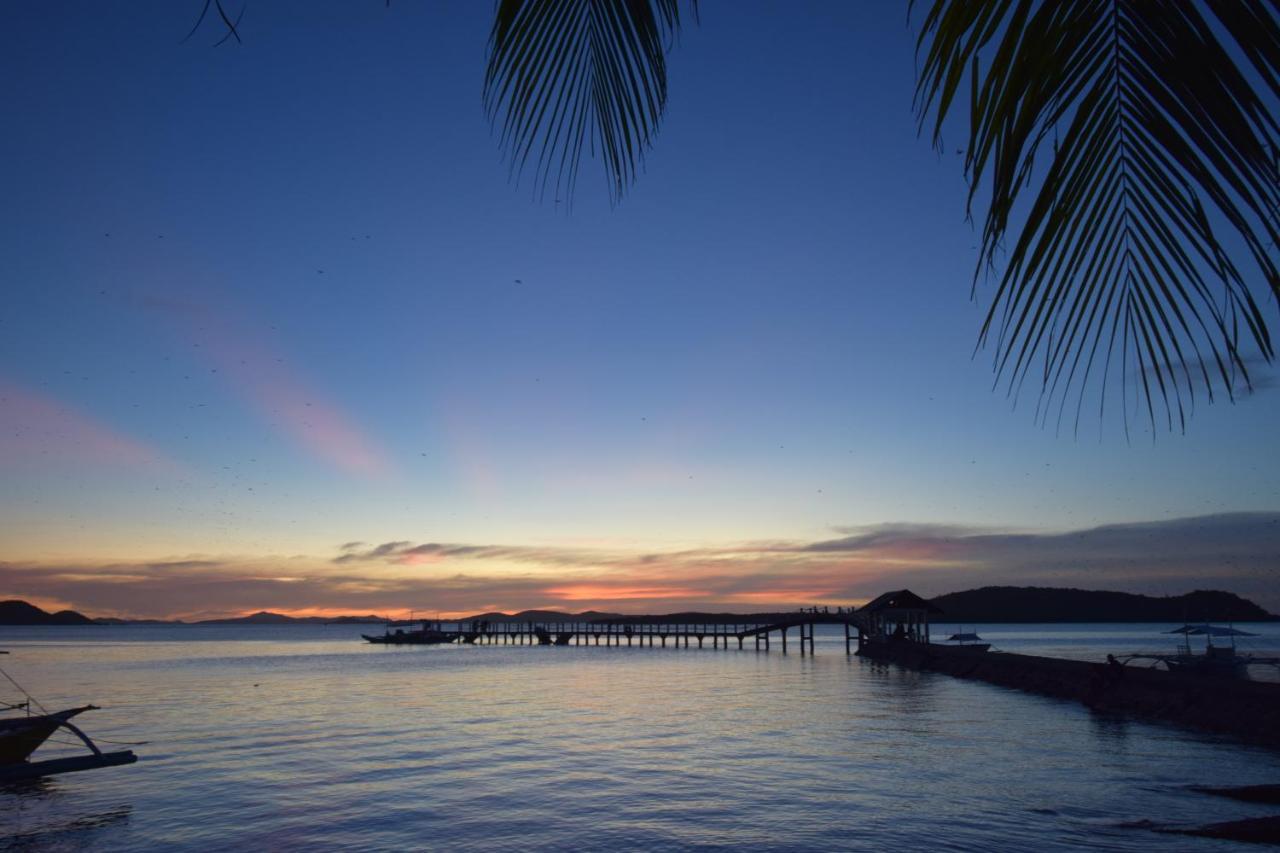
739	642
846	637
784	641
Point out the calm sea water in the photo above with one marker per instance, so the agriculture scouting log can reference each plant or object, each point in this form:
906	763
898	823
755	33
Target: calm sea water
306	738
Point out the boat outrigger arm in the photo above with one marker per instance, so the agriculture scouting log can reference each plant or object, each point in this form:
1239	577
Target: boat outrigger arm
21	736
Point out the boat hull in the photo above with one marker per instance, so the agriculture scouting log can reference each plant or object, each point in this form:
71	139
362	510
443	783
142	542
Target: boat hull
414	639
1221	667
21	736
36	769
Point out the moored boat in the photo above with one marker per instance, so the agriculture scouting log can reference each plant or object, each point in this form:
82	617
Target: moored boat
22	735
1215	660
430	634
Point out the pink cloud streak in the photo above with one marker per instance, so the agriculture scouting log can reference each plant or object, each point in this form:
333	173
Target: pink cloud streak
34	425
258	373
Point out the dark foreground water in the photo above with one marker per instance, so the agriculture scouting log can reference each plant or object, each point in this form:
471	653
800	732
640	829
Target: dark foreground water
306	738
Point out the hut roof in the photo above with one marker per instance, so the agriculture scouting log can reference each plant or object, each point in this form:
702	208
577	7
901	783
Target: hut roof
902	599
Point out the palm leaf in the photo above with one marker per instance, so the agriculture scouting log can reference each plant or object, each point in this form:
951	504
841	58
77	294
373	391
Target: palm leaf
1145	244
572	78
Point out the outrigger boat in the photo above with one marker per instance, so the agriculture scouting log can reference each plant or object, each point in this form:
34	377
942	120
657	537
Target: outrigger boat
970	642
20	736
430	634
1221	661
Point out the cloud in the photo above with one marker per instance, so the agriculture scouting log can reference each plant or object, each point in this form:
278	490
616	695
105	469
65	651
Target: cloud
1239	552
407	553
259	374
35	427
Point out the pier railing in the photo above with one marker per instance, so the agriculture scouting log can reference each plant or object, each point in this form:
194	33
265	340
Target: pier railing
666	634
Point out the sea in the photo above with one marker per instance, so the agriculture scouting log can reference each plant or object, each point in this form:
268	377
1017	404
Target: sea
304	737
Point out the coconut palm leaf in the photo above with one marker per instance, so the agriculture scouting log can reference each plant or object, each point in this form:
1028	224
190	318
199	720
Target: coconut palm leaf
568	78
1127	150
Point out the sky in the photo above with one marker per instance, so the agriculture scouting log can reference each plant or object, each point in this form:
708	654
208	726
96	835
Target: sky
279	331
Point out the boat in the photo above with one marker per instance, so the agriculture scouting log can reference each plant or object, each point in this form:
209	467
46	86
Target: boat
968	641
1215	660
430	634
22	735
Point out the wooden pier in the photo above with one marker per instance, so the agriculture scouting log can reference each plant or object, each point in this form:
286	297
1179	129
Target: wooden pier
700	635
633	633
894	628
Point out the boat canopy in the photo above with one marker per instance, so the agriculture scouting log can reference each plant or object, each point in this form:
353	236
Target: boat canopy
1210	631
964	638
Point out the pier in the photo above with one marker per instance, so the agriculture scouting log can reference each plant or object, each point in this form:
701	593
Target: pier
632	633
783	631
894	629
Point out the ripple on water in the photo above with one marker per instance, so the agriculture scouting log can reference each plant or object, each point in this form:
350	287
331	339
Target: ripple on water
343	745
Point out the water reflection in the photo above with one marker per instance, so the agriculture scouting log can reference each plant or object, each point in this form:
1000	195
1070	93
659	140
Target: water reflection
548	748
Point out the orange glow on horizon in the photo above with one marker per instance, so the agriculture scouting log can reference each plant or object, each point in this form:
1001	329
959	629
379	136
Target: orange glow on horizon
599	592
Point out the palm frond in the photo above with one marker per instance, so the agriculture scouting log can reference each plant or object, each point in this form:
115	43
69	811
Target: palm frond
572	78
1146	242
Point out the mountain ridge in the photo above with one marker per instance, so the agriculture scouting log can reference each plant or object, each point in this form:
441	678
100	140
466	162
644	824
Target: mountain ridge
1009	604
1058	604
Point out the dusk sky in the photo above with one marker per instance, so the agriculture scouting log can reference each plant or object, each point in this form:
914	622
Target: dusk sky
279	332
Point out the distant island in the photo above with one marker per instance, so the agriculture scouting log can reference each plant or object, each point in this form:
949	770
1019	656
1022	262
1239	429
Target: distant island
264	617
988	604
1047	604
21	613
16	612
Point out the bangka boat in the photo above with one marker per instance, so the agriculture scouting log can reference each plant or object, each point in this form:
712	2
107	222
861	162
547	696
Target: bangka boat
22	735
969	641
1221	661
430	634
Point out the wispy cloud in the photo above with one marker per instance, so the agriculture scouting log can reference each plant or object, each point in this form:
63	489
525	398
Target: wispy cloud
1239	552
258	372
37	428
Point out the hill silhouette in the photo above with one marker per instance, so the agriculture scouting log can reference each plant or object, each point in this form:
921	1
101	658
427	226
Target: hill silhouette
1047	604
986	604
14	612
265	617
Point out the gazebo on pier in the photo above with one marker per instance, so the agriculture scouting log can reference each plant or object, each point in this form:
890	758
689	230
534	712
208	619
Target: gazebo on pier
900	616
